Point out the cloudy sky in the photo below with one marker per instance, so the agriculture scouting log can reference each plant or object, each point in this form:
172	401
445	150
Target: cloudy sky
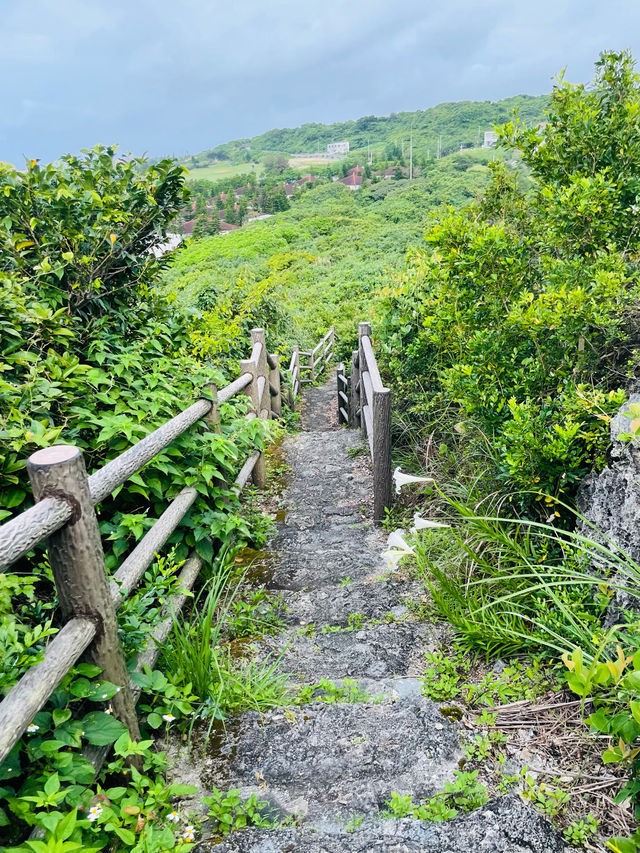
177	76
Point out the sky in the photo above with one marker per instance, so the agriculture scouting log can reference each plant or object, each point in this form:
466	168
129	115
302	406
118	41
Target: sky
178	77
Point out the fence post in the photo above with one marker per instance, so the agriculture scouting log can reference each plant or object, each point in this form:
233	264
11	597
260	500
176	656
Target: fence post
77	560
332	338
381	415
212	418
312	366
364	329
276	400
258	370
340	383
354	401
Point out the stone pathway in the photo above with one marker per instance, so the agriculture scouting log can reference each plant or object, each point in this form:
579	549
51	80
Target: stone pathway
333	766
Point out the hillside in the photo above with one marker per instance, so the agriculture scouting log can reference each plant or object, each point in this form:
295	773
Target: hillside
325	258
448	125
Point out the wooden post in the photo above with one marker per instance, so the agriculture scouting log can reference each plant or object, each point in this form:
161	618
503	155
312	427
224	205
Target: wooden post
381	453
363	329
340	383
77	560
312	367
332	338
275	380
212	418
354	397
260	397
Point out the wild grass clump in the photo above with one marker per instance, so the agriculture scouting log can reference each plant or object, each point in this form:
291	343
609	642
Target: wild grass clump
198	652
514	585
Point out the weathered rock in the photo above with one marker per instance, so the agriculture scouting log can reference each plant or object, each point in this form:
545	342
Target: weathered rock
332	760
334	605
610	501
504	826
381	651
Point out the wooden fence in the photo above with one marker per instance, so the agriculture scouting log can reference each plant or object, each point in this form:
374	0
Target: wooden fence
364	402
317	360
64	515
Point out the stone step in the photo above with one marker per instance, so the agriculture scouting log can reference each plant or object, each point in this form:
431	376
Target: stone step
371	598
379	651
323	762
506	825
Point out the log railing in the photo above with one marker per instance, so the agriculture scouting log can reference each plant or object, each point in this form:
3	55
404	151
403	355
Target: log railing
64	515
317	359
364	402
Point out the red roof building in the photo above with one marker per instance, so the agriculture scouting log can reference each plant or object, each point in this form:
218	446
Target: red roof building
354	182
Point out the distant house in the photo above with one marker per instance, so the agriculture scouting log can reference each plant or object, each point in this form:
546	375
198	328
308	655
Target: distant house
227	226
338	148
356	170
187	227
354	182
490	139
391	171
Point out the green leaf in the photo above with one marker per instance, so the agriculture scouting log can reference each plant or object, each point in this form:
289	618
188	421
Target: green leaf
60	716
101	729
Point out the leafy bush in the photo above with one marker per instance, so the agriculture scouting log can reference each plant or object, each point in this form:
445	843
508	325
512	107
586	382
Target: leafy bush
510	331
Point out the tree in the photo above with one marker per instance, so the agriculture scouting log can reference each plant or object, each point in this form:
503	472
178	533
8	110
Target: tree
586	158
243	207
276	163
70	251
230	208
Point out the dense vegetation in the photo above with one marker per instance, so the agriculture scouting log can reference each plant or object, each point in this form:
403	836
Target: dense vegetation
324	260
446	127
91	356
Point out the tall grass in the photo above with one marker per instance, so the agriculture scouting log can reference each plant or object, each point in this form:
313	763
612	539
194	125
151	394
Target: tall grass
197	653
515	585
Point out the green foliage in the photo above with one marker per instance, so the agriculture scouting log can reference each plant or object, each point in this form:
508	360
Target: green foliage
229	812
515	585
464	794
517	318
579	832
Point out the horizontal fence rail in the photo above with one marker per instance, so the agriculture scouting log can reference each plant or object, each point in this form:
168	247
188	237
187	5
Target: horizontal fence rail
317	360
64	516
364	402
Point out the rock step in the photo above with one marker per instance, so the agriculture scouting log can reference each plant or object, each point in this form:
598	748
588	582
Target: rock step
503	826
379	651
371	598
321	762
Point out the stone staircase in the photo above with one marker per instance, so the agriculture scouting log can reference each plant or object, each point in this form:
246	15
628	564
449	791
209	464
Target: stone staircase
333	766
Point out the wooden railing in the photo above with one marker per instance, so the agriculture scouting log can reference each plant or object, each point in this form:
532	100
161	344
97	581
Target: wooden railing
317	360
364	402
64	515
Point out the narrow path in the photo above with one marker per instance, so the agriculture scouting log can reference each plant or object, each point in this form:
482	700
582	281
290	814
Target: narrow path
333	765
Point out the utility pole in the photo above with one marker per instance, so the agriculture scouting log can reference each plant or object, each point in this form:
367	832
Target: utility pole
439	146
411	156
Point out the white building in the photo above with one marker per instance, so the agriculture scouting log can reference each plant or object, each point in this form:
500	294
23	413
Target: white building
490	139
338	148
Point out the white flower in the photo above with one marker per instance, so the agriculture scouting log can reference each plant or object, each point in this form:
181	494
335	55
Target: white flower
401	480
31	728
173	816
189	833
94	813
109	710
397	548
168	718
424	523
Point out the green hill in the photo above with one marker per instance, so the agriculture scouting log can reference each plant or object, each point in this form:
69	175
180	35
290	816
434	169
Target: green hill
448	125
